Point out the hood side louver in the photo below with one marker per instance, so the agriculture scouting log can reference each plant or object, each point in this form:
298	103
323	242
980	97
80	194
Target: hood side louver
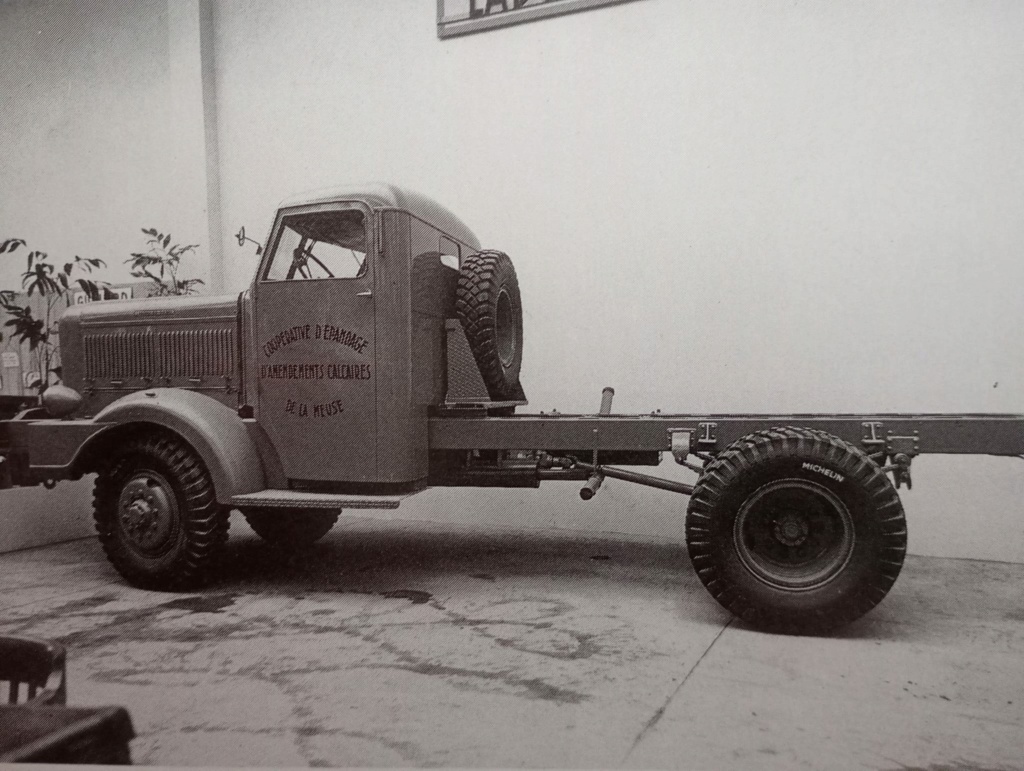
125	360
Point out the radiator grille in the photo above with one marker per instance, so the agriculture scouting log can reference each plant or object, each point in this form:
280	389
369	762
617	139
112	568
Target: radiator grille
187	353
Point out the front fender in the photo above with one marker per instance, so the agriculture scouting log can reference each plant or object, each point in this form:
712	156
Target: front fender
213	430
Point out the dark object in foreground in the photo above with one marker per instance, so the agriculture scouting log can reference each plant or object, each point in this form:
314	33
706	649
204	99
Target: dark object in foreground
36	727
100	735
32	672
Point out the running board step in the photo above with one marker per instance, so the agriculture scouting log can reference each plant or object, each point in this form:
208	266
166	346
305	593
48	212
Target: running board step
297	499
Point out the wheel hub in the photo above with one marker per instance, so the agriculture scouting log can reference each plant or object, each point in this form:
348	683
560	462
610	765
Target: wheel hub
147	511
791	529
505	329
794	534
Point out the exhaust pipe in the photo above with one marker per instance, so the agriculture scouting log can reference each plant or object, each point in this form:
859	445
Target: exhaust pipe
591	487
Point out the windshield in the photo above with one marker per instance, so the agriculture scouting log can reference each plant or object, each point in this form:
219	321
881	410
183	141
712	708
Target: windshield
328	244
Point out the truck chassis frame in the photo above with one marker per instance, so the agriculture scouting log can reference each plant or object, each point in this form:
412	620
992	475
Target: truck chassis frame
897	436
792	524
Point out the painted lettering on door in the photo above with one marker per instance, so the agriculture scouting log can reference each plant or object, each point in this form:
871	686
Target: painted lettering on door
305	410
315	372
342	336
327	332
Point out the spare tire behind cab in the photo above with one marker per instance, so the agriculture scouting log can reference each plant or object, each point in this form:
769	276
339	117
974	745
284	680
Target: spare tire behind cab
489	307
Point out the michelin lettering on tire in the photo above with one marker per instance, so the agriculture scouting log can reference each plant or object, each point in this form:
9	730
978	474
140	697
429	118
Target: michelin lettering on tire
822	470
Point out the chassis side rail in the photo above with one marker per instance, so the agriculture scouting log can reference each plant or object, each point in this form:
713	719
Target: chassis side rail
908	434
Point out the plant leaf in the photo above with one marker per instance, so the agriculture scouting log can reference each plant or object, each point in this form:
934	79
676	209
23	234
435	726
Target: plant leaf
11	244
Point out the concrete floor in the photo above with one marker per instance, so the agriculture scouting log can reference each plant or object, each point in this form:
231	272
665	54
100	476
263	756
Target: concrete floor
396	643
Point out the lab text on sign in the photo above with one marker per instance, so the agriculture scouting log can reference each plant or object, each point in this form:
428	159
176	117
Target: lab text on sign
461	17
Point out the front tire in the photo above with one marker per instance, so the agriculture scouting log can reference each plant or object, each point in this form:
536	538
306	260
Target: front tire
796	531
157	516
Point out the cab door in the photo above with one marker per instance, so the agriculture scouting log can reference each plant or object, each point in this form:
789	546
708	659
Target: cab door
314	343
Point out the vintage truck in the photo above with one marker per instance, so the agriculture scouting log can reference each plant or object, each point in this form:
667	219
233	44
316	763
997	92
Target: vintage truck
377	353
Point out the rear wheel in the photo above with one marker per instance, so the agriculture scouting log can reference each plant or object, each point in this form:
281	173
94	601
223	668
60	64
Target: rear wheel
291	528
157	516
795	530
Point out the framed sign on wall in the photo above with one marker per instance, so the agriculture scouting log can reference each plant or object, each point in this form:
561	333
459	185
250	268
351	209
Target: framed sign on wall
462	17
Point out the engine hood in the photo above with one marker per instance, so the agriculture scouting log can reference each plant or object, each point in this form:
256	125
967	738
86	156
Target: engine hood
154	308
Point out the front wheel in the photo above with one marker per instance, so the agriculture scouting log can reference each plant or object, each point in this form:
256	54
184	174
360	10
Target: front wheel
157	516
796	531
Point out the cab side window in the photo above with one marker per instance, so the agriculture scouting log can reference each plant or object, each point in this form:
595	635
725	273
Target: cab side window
320	245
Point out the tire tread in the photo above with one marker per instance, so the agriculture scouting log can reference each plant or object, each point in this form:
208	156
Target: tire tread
791	442
482	275
204	522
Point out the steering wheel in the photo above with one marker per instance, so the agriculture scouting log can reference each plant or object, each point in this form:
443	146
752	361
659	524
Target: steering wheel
300	263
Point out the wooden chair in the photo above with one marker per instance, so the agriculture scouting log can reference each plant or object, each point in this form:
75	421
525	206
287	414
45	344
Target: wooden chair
37	665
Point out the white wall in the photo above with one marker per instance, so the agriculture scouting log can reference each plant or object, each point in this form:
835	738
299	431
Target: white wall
712	206
739	205
35	517
83	90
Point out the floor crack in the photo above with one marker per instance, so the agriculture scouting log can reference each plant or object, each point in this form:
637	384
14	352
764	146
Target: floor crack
656	717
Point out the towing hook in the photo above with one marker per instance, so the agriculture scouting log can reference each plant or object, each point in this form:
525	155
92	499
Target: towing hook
592	486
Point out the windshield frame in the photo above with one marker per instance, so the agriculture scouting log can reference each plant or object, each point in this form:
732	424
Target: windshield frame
337	206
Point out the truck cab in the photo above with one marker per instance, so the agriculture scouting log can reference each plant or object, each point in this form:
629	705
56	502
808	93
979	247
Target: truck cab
333	356
345	319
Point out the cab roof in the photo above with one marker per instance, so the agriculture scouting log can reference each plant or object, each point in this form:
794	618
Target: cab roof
383	195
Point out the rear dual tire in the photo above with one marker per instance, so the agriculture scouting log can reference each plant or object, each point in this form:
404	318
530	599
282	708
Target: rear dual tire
796	531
